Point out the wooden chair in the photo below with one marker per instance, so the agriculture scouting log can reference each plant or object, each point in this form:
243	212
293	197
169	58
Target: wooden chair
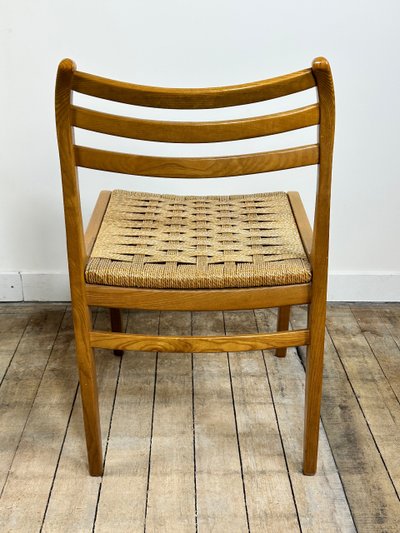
165	252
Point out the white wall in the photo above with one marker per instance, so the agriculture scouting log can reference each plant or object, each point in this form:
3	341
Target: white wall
183	43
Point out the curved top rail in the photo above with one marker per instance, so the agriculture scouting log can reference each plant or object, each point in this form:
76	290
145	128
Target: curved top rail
207	98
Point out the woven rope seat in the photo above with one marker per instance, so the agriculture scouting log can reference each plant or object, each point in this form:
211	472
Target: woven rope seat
163	241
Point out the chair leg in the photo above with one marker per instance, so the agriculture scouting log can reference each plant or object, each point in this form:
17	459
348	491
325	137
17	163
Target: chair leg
116	325
283	325
313	393
89	393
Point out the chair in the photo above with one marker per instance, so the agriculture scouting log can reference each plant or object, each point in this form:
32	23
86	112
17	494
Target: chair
166	252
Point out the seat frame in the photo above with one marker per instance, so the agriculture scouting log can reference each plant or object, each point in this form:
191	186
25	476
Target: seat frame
80	244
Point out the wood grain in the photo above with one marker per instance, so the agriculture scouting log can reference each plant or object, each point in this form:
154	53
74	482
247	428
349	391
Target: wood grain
303	224
319	264
321	502
266	479
194	132
73	497
171	343
197	300
21	382
370	493
84	295
247	424
122	500
147	96
12	327
196	167
171	496
378	328
220	498
76	250
47	415
374	393
28	308
390	314
96	219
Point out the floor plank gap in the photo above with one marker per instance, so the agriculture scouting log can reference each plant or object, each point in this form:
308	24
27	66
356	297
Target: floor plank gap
194	432
200	442
33	402
59	458
151	438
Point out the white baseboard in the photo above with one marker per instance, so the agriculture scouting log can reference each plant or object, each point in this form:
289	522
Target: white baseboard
364	287
46	287
54	287
11	287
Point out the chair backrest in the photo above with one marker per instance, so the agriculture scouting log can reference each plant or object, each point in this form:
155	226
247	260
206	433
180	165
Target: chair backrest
72	156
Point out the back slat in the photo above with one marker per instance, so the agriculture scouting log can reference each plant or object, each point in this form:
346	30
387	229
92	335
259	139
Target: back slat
195	132
192	98
196	167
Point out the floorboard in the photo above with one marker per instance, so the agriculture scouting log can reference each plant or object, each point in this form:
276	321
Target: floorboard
267	482
286	376
375	396
20	385
43	392
12	328
200	442
221	499
123	494
171	497
377	329
367	485
73	498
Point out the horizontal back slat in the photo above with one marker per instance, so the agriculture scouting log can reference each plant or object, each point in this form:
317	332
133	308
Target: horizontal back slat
196	167
208	98
195	132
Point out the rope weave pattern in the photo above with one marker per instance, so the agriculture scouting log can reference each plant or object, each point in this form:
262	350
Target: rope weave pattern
165	241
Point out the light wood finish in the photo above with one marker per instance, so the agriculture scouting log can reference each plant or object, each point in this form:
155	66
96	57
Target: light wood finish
379	326
54	387
268	488
261	458
285	379
76	262
96	219
232	95
319	263
85	295
73	497
305	231
22	377
303	224
90	237
160	343
217	454
195	132
122	504
283	325
367	480
196	167
171	495
369	381
197	300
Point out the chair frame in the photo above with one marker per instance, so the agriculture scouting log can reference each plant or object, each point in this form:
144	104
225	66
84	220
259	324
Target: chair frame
79	244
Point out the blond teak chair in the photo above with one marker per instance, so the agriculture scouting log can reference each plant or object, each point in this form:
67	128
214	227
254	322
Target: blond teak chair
166	252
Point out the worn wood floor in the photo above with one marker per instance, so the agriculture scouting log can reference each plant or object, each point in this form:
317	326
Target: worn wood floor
203	442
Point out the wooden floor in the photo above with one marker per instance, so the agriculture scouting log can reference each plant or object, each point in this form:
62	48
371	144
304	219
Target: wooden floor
203	442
